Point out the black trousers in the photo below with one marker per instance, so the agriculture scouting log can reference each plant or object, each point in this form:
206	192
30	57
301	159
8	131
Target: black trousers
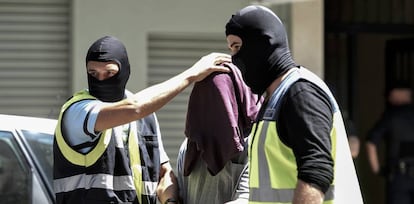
400	189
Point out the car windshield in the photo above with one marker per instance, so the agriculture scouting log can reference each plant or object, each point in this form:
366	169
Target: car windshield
41	145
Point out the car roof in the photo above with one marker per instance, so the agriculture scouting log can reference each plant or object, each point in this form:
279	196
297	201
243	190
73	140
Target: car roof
38	124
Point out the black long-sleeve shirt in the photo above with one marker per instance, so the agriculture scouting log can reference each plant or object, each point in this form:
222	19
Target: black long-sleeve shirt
304	124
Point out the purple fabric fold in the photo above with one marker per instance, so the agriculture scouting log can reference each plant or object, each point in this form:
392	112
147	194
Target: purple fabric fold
221	111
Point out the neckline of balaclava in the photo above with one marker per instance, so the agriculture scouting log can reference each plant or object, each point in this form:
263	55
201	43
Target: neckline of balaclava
264	54
106	49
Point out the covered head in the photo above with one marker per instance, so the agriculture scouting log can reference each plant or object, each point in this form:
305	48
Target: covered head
264	54
108	49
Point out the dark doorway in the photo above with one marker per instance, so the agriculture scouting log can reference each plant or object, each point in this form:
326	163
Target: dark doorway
368	45
399	62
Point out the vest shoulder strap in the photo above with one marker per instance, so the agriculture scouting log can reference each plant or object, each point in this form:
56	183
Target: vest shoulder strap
292	77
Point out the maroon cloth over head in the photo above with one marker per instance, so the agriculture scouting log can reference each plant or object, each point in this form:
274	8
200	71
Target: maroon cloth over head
221	111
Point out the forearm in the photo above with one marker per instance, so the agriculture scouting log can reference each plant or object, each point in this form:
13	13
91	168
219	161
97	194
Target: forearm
306	193
142	103
168	185
373	157
153	98
354	145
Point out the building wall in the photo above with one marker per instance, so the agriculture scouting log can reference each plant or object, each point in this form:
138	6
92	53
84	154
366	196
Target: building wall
132	20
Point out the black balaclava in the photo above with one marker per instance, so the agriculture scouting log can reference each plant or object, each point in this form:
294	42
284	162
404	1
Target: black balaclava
264	54
106	49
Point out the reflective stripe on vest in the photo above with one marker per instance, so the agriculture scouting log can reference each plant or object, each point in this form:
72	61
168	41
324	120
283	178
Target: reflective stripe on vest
271	161
264	187
102	180
71	155
106	181
135	162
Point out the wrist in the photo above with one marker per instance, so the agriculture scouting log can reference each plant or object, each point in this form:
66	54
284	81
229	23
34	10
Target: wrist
171	201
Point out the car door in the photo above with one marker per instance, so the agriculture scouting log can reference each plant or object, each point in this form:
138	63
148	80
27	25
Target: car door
19	181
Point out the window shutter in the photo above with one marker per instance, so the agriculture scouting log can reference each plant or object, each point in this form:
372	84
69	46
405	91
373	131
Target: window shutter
34	50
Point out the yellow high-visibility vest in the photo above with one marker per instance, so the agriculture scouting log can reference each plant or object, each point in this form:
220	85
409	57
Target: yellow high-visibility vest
88	159
273	170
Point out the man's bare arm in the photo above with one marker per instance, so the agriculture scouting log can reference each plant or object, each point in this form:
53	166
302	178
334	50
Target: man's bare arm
153	98
373	157
307	194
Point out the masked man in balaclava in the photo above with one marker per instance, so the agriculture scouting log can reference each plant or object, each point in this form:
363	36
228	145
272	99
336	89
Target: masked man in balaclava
298	152
108	146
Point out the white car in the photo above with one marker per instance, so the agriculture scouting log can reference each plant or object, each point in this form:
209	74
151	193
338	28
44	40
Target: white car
26	160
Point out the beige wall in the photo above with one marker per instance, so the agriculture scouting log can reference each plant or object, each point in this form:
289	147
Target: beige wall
132	20
307	40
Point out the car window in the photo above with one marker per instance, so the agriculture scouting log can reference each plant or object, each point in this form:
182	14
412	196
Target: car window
41	145
14	175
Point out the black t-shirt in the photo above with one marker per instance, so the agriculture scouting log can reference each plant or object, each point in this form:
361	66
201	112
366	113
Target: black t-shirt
304	124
